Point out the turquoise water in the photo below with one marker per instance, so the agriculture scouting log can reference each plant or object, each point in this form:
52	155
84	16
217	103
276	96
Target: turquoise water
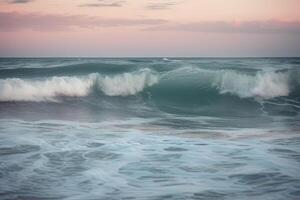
150	128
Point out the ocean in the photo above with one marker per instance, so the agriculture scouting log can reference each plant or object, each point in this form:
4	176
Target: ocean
150	128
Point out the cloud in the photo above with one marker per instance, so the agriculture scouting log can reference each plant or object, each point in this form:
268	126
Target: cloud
266	26
104	4
19	1
160	5
10	21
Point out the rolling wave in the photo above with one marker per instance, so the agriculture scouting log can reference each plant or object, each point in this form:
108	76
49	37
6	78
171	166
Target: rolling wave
262	85
16	89
182	81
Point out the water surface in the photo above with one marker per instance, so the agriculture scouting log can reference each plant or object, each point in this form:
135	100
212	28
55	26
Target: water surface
150	128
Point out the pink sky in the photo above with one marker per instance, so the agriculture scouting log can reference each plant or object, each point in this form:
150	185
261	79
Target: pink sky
149	28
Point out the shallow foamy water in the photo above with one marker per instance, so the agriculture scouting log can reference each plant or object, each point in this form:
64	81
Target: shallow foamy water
67	160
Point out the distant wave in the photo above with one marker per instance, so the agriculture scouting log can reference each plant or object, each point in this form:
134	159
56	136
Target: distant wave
264	85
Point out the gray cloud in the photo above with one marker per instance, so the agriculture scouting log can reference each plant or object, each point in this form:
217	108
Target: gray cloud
10	21
104	4
19	1
267	26
160	5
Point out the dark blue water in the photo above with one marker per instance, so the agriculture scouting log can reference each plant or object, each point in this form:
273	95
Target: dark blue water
150	128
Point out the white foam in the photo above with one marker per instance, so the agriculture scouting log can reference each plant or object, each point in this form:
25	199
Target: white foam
15	89
127	83
264	85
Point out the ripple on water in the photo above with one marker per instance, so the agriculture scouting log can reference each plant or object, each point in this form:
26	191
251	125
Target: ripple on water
19	149
209	195
94	144
175	149
286	153
264	180
102	155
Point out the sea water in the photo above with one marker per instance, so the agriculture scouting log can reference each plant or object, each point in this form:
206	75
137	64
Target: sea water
150	128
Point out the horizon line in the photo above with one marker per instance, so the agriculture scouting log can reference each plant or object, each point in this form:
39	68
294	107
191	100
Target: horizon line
149	57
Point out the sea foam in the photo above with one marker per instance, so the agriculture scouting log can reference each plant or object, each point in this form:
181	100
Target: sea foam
16	89
127	83
264	85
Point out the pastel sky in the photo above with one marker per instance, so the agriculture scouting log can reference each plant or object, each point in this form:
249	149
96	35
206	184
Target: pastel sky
117	28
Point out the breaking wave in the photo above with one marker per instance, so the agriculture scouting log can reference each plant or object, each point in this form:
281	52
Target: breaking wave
15	89
264	85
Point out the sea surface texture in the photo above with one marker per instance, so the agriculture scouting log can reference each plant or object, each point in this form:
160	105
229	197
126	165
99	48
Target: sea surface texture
150	128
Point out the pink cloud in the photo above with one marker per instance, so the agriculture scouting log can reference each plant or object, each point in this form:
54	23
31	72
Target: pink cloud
263	26
10	21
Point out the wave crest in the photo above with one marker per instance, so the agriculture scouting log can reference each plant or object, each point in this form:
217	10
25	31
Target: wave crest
15	89
264	85
179	82
127	83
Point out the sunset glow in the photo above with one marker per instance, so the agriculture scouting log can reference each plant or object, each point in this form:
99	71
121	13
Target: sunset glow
149	28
